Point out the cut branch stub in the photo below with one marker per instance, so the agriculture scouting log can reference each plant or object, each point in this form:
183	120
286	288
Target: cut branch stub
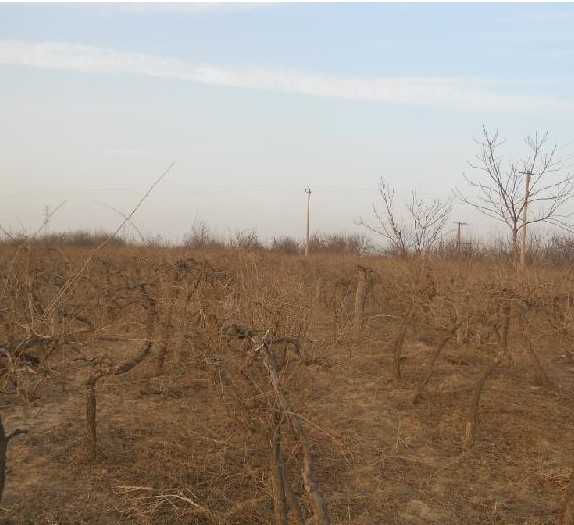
399	342
4	441
363	286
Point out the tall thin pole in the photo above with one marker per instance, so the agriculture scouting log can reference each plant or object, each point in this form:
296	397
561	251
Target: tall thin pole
308	192
525	219
459	234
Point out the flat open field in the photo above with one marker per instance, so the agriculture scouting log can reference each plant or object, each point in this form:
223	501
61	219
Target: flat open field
251	387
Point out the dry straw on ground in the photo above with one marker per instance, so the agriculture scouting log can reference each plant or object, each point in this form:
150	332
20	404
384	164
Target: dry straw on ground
243	386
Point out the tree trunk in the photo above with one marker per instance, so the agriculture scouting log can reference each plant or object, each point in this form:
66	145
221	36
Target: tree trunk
168	331
399	342
420	389
91	401
294	504
283	496
515	247
4	440
3	450
568	506
473	418
360	299
91	409
280	508
525	221
539	371
321	514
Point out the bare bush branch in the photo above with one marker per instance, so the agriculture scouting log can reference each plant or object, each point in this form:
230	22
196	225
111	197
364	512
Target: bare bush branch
416	233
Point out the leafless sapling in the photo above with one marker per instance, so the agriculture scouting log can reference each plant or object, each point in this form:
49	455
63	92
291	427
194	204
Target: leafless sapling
416	230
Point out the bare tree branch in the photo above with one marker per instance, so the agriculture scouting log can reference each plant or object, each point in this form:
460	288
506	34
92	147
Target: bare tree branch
418	231
500	193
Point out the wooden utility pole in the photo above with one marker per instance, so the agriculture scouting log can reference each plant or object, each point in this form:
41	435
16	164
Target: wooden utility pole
459	234
308	192
525	220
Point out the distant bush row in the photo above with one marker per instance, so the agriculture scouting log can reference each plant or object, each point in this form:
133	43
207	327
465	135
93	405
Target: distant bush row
78	238
554	249
201	237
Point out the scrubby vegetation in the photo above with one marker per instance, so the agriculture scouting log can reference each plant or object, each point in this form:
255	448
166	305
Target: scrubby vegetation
205	384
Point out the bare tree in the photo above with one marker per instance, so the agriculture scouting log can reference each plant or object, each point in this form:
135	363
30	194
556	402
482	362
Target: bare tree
417	230
508	193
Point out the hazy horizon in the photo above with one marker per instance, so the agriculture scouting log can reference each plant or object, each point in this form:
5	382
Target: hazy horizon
256	102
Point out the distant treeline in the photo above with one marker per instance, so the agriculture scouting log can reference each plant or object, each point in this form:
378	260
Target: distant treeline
552	249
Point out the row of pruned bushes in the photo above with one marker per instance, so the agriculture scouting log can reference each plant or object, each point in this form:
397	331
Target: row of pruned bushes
201	237
554	249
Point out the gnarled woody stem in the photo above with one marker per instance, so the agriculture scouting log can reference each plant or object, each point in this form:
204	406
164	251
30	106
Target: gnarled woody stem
420	389
4	440
361	298
321	515
91	402
473	415
124	368
399	342
567	517
91	409
280	509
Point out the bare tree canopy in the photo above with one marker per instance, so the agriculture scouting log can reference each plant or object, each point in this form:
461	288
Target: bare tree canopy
420	227
506	192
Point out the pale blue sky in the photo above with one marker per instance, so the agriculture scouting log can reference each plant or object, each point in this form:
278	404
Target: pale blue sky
254	102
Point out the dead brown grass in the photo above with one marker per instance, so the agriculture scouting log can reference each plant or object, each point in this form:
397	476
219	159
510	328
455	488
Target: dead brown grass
207	429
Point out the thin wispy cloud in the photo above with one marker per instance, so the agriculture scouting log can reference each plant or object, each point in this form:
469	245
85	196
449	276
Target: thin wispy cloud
195	8
541	15
448	92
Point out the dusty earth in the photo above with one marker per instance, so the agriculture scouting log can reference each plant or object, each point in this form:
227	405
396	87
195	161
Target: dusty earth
380	459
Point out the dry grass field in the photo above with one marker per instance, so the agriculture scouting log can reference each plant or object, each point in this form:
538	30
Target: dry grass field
160	386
